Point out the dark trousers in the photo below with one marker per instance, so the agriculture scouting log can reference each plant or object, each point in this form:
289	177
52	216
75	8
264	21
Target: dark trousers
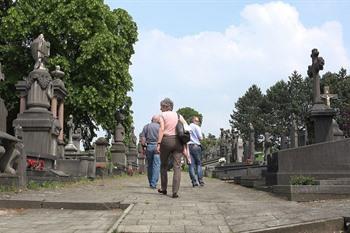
170	148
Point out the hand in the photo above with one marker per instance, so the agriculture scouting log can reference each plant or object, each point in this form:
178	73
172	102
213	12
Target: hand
158	148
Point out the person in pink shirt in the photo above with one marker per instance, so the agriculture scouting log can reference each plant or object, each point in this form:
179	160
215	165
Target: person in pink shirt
169	146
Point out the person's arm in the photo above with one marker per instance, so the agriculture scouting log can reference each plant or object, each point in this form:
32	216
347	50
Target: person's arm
160	132
143	136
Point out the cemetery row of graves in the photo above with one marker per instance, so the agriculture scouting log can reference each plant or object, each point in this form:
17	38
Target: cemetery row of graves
317	152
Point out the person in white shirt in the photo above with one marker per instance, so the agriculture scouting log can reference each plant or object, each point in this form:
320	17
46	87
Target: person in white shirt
195	167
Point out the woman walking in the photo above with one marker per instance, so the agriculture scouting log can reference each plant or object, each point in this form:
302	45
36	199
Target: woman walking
169	146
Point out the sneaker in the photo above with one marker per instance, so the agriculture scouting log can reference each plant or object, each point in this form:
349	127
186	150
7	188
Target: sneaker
175	195
201	184
152	187
194	185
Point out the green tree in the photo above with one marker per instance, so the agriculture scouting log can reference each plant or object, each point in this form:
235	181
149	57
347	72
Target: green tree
300	92
278	116
92	44
249	109
188	113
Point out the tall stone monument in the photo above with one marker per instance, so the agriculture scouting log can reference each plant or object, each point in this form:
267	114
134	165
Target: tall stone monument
251	146
118	150
40	129
320	114
239	148
294	133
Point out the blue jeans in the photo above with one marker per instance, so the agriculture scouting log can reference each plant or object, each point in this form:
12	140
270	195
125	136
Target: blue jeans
195	168
153	167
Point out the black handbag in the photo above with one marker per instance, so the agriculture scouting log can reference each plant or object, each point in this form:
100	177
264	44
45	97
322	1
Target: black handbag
182	134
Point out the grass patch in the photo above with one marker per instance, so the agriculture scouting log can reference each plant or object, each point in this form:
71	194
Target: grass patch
302	180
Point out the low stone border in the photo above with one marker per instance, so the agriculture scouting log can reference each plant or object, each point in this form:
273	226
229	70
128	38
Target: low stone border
312	192
28	204
319	226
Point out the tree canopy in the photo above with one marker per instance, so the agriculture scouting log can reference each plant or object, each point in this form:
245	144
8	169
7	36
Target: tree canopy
92	44
188	113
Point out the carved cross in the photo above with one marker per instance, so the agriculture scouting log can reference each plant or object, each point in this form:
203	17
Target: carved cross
2	76
328	96
313	72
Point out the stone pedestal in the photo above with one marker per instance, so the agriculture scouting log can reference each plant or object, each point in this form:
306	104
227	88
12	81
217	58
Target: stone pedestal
39	131
118	155
132	157
321	115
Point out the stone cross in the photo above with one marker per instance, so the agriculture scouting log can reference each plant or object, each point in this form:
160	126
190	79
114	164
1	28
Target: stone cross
313	72
327	96
2	76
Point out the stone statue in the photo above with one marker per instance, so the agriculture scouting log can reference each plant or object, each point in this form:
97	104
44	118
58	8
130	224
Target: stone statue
133	137
57	73
71	127
70	147
40	51
327	96
313	72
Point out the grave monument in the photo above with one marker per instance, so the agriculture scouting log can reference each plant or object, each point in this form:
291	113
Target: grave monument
39	127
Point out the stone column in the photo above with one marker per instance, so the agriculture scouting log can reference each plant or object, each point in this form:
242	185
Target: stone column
54	107
61	119
22	103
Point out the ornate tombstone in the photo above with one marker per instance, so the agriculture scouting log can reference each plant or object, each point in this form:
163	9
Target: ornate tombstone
101	145
39	127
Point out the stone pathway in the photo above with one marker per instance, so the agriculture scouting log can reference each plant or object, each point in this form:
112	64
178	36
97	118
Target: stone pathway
216	207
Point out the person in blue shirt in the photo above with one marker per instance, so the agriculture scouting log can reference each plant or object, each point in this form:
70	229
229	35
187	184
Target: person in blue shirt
195	167
149	139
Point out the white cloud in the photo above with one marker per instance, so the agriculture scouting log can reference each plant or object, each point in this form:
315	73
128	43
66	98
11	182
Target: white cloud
209	71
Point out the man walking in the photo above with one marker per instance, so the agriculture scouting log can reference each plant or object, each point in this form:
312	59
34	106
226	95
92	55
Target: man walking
195	168
149	138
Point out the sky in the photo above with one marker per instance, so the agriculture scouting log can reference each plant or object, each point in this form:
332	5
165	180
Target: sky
205	54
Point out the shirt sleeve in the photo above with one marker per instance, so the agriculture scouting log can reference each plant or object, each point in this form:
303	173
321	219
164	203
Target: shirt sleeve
199	132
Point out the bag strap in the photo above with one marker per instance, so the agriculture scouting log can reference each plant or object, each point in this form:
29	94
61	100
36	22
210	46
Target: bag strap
178	116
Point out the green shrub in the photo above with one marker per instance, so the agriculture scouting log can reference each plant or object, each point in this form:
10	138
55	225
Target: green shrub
302	180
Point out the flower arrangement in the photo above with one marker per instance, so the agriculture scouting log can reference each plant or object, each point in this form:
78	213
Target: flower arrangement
35	164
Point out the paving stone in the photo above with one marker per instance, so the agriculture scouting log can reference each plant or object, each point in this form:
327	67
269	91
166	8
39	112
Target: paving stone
169	228
202	229
133	228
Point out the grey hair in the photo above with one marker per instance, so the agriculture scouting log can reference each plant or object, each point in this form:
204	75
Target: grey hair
167	103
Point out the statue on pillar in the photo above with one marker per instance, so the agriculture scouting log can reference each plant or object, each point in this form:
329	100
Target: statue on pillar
313	73
40	51
70	147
